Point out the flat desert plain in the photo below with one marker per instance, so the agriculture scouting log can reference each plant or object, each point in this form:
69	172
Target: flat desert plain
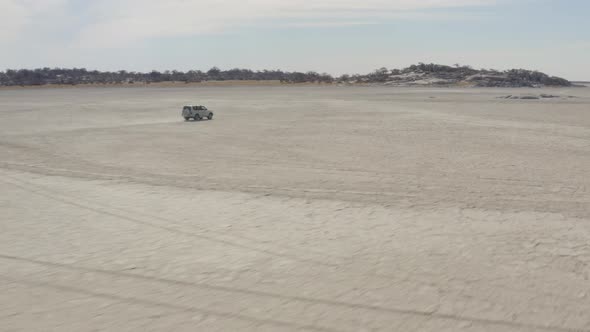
311	208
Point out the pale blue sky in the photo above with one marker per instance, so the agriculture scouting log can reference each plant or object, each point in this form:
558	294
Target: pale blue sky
334	36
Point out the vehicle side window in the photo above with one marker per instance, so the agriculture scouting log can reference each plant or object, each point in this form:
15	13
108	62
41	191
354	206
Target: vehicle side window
195	108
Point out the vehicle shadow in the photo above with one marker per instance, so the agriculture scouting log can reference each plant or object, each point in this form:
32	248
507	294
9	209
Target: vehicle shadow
194	121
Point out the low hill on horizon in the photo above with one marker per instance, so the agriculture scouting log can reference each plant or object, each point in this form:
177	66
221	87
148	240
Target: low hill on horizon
440	75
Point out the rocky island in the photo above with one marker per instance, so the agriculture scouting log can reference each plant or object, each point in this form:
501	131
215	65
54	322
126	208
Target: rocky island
440	75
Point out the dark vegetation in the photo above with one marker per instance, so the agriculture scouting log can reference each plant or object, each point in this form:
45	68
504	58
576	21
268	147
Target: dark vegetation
420	74
75	76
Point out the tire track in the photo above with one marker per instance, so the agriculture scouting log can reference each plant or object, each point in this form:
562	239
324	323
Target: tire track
52	194
103	210
304	299
176	307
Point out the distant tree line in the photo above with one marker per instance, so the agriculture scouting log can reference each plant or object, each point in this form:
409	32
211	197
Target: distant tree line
456	73
75	76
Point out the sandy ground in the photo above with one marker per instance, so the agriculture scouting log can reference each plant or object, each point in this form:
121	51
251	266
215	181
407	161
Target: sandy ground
295	209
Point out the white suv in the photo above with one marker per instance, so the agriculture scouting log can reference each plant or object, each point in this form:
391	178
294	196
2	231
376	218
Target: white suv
196	112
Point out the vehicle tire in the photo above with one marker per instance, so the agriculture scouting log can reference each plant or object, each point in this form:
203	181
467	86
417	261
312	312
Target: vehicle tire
197	118
186	119
210	116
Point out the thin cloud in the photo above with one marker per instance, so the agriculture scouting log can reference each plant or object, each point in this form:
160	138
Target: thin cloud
325	24
118	23
17	17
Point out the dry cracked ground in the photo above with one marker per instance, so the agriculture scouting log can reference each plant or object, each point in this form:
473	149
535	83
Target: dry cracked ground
295	209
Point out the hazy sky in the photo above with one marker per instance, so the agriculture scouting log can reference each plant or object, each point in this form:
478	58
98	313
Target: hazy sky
334	36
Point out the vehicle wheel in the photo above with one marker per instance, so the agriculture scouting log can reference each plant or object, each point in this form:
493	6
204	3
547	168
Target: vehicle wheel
186	119
197	118
210	116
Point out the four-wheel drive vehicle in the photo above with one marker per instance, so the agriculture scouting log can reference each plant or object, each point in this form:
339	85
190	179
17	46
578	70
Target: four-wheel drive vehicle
196	112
